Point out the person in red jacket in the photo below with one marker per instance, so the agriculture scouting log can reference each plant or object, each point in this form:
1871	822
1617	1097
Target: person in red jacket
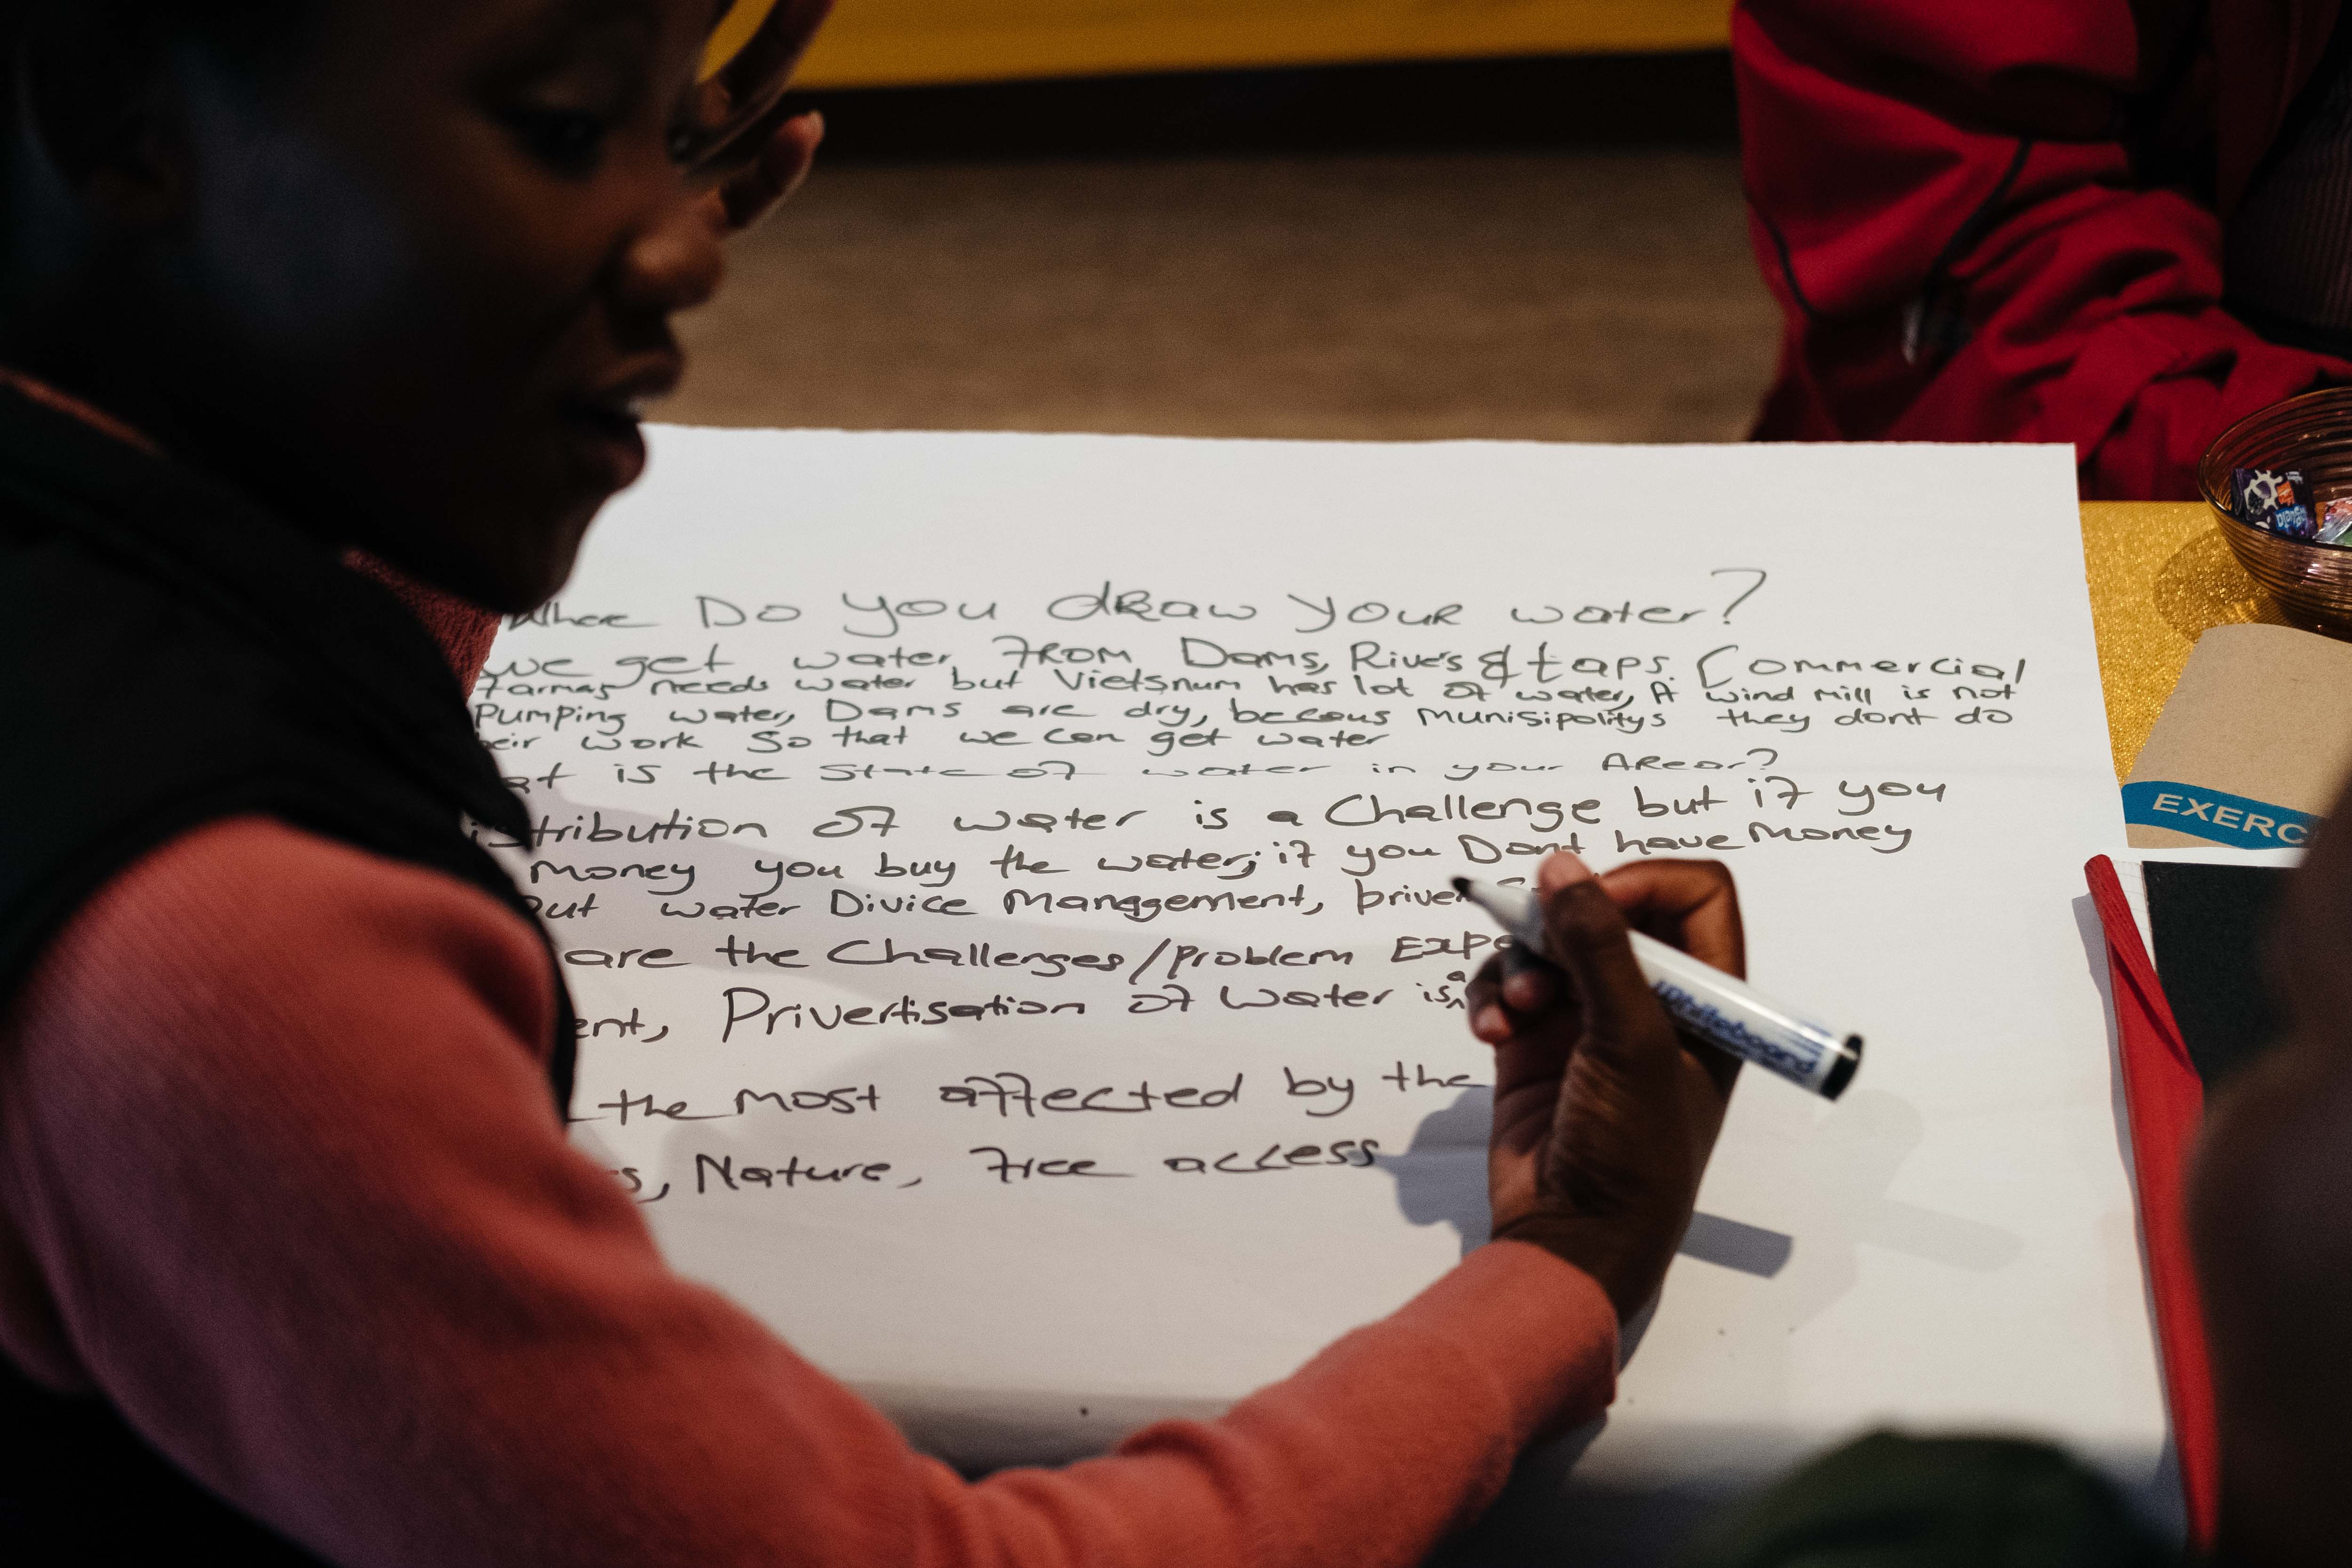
296	1263
2117	223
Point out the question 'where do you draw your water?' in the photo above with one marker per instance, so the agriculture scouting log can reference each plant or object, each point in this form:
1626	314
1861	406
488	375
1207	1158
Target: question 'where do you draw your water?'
1048	831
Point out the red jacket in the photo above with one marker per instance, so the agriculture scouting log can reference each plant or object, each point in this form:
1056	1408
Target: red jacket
2032	194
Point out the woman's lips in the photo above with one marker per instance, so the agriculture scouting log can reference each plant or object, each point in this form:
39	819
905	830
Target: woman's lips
610	439
603	416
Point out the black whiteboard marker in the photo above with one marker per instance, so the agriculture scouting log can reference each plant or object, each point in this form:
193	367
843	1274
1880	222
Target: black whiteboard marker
1701	998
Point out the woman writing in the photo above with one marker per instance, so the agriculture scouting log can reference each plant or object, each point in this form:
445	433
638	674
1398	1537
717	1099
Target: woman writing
304	298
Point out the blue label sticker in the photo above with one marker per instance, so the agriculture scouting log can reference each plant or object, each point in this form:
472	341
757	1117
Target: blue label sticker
2229	819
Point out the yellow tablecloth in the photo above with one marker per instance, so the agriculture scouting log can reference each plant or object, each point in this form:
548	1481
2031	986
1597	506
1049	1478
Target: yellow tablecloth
2160	577
893	43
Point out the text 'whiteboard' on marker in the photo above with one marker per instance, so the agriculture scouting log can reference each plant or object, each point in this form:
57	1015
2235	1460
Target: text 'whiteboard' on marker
1007	884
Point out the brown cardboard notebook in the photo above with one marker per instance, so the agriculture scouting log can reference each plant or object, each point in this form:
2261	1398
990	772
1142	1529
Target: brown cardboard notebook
2252	748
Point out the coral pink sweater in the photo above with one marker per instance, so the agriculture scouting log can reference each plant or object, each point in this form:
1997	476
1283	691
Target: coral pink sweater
278	1174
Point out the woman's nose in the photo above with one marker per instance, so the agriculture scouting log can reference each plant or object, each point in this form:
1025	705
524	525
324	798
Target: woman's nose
675	261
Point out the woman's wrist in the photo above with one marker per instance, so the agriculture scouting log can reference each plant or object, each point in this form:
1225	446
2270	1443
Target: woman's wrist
1627	1268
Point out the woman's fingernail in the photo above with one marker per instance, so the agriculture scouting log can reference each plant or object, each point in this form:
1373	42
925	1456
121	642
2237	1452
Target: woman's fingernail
1490	1024
1562	870
1525	989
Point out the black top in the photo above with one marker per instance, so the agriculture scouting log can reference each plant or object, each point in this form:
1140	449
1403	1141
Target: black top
2209	925
171	654
2286	253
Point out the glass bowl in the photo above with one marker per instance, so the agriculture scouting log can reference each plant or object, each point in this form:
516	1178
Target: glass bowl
2310	581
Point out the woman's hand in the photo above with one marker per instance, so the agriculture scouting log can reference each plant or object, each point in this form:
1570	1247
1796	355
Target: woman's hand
751	193
779	145
1605	1116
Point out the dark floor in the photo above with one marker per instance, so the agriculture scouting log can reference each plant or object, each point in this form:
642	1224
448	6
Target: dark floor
1226	268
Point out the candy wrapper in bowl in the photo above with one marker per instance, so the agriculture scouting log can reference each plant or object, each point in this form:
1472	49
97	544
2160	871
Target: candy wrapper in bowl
2336	522
2280	481
2275	499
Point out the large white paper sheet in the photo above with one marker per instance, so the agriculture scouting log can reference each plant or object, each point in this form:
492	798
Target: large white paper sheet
924	815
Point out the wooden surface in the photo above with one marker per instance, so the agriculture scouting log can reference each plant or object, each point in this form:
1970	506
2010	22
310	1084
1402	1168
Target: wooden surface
2160	577
1556	296
900	43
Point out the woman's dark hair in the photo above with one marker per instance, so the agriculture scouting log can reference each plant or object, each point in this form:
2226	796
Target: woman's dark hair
252	31
83	61
84	66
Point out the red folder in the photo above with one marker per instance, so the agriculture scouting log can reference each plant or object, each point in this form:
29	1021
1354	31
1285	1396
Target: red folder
2165	1099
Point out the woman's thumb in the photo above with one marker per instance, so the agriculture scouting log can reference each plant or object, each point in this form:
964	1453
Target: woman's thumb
1587	938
